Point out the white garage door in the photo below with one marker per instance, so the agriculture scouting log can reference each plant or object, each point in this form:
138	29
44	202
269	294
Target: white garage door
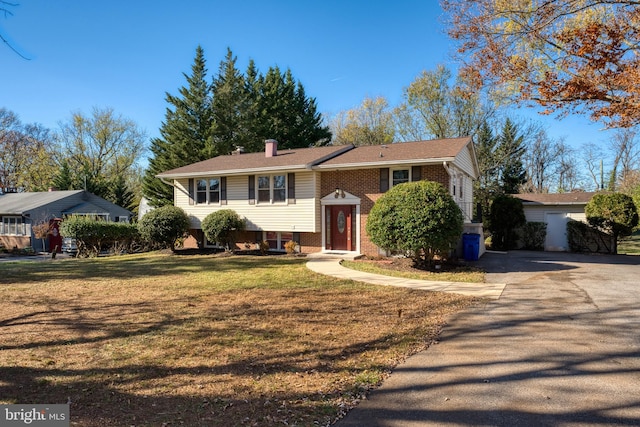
556	232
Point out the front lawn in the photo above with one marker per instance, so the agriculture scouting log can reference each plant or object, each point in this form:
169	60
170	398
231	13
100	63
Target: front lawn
160	339
630	245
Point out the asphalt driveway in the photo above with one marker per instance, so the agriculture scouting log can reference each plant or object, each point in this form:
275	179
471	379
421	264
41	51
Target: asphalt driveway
561	347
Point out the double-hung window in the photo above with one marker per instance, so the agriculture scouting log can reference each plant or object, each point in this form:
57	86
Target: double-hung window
400	176
272	188
208	190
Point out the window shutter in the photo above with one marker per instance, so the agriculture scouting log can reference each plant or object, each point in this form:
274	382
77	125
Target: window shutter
296	237
291	188
191	188
384	180
252	189
416	173
223	190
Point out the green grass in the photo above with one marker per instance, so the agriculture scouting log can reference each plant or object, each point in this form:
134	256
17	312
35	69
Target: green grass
630	245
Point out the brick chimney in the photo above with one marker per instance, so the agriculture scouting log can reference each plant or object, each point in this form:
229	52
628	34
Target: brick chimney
270	148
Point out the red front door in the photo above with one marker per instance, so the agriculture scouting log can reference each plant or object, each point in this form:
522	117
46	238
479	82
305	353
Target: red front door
340	224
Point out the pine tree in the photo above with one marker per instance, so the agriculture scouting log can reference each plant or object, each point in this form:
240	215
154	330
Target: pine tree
64	178
120	193
512	148
186	133
230	108
487	186
286	113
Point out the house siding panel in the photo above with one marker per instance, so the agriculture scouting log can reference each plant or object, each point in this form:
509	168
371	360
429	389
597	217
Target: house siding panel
300	216
465	162
537	213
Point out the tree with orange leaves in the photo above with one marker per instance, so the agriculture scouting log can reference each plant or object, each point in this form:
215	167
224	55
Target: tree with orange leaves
565	55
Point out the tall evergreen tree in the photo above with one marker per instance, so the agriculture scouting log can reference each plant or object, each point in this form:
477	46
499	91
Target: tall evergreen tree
286	113
487	186
120	193
64	178
230	108
512	148
186	135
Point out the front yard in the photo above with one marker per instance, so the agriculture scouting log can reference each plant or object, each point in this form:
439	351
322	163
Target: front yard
165	340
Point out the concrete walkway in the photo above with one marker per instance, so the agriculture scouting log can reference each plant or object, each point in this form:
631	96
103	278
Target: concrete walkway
333	267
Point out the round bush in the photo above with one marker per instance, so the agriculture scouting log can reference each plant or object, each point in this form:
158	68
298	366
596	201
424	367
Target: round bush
164	226
418	218
613	213
221	227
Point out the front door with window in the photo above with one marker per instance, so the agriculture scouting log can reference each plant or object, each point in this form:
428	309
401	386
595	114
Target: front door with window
340	227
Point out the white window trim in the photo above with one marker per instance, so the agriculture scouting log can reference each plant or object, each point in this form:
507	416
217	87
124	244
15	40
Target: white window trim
21	227
271	190
391	170
208	191
279	240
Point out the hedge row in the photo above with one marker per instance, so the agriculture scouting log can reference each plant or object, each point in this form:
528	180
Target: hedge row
93	237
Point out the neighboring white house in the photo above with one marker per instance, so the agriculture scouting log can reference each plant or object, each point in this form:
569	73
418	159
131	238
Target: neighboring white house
319	197
555	210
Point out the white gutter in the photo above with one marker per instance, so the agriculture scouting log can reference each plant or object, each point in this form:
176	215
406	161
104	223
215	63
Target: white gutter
364	165
166	182
235	172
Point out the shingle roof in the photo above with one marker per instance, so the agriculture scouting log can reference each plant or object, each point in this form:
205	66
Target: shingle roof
325	157
578	198
18	203
297	158
414	152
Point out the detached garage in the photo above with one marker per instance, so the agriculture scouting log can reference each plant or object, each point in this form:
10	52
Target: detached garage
555	210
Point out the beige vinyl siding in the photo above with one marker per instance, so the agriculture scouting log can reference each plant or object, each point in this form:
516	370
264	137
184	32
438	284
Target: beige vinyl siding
301	216
537	213
464	161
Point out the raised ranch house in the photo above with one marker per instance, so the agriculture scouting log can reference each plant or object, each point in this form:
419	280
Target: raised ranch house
19	212
319	197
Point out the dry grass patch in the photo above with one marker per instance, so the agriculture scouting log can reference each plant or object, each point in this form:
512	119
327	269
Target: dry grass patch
169	340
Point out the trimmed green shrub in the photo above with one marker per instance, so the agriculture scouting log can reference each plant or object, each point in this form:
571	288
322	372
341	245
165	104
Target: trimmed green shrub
534	235
164	226
419	218
222	226
506	217
584	238
93	236
614	214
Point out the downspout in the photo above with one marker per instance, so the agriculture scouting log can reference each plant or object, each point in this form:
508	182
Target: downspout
445	165
166	182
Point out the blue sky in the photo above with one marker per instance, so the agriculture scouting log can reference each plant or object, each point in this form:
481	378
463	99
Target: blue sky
127	54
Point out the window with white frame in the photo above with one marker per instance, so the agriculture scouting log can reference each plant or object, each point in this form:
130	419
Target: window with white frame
12	226
277	239
400	176
272	188
208	190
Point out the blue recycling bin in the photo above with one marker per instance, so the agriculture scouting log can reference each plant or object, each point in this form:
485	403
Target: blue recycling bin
471	246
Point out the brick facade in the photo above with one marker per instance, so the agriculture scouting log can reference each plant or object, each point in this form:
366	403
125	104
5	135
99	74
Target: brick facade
362	183
365	184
